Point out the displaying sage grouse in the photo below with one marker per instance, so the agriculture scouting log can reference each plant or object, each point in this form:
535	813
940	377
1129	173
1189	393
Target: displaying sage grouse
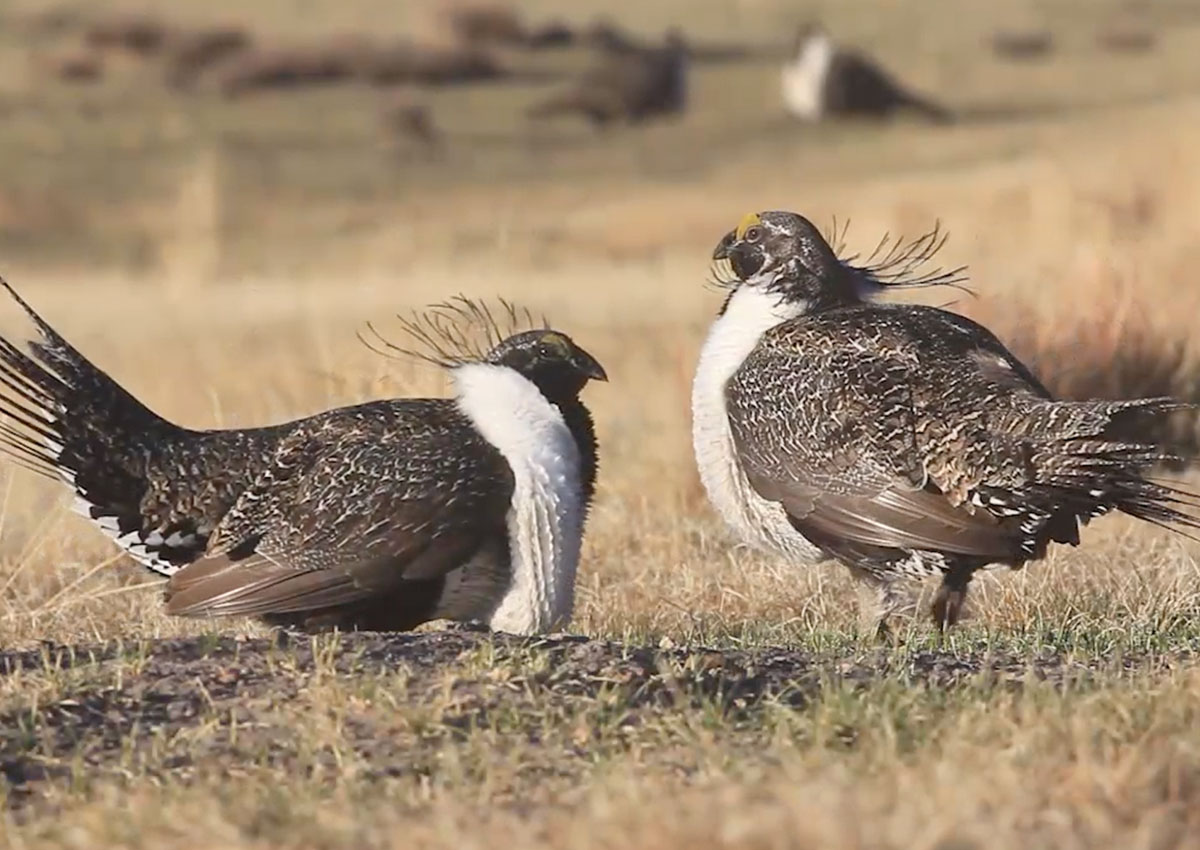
822	80
379	516
630	84
900	440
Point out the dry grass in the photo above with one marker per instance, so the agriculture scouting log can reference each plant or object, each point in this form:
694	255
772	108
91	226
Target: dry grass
232	282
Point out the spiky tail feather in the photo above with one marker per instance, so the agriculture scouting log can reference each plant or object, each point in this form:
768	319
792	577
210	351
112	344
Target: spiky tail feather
65	418
1095	464
928	109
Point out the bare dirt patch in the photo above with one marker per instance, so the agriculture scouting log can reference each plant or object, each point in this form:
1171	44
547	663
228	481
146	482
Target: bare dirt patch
161	708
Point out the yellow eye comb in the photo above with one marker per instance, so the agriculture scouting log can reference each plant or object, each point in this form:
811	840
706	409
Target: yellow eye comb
748	221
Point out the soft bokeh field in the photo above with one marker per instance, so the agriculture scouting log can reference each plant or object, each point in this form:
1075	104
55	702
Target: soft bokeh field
218	259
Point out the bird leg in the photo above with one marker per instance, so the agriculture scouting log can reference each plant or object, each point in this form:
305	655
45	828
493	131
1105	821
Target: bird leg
892	599
951	597
889	599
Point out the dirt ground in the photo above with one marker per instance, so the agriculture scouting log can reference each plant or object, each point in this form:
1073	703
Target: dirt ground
136	703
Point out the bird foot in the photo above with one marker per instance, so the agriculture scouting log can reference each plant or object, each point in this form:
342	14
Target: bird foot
468	626
886	635
947	607
286	637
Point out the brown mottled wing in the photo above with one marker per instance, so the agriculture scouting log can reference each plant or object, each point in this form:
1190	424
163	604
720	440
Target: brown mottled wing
838	421
356	502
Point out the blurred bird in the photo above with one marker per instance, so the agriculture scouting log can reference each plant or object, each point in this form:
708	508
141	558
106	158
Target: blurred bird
133	32
81	65
484	23
550	34
1022	46
407	116
822	80
901	440
188	54
271	68
429	63
1126	39
603	33
629	83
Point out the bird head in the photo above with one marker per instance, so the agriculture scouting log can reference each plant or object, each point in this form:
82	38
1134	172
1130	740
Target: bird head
808	33
550	359
784	253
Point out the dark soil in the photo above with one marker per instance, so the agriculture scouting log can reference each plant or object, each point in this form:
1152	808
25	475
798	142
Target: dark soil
134	722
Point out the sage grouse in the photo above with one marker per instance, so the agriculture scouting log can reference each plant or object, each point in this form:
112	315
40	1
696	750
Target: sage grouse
900	440
630	83
379	516
823	80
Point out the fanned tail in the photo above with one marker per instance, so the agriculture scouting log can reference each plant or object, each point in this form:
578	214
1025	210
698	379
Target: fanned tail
64	418
1125	461
1088	460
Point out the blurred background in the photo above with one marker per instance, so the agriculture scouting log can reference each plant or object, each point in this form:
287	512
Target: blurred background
221	140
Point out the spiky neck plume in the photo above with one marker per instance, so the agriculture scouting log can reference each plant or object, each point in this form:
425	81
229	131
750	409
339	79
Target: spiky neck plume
455	332
462	331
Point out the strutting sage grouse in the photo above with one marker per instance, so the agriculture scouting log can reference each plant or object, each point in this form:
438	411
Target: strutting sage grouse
379	516
822	80
900	440
630	83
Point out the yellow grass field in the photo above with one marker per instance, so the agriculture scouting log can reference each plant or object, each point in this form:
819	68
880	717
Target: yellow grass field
217	259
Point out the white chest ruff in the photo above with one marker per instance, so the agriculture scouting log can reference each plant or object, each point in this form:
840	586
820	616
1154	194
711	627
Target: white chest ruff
802	80
545	519
730	340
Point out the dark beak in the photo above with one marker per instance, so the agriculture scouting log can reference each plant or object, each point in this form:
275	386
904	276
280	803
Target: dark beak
589	366
745	259
721	252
